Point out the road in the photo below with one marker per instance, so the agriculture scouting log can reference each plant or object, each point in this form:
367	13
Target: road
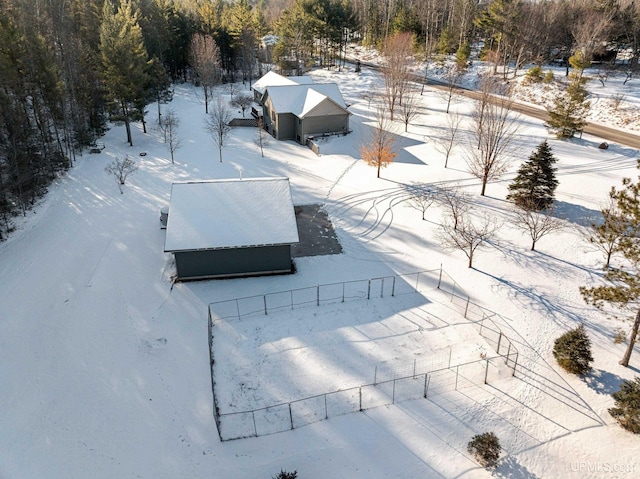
604	132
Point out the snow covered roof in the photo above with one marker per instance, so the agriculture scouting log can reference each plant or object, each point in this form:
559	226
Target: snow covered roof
230	213
301	99
275	79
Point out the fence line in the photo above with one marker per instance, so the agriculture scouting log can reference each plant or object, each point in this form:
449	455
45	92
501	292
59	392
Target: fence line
301	412
331	293
432	376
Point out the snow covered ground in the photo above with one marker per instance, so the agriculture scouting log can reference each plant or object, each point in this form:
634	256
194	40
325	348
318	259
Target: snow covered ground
104	362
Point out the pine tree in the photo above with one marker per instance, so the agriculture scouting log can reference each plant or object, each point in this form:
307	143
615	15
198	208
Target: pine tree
572	350
125	64
568	114
623	284
627	405
535	185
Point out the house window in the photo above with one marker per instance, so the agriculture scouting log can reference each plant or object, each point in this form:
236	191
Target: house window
273	116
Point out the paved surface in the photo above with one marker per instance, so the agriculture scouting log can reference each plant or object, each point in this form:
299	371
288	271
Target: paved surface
317	236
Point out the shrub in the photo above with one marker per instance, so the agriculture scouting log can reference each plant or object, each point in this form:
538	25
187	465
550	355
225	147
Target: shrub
620	336
485	448
572	350
627	405
534	74
548	77
286	475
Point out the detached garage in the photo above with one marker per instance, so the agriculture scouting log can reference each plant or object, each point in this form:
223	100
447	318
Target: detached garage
226	228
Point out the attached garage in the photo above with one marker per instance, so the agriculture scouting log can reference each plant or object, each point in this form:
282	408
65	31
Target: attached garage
231	227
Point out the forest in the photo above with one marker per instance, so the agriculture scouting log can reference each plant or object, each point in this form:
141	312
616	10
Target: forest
70	67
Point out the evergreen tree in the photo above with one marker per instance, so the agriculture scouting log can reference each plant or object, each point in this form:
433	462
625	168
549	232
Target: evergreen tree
535	185
627	405
572	350
623	285
125	64
568	114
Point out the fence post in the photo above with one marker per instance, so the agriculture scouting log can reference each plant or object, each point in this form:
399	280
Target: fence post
486	371
238	308
290	416
393	287
326	414
499	341
291	291
382	288
456	386
508	352
318	295
255	429
369	290
515	364
449	357
343	292
426	385
414	368
360	390
440	276
393	394
264	297
417	279
466	308
375	376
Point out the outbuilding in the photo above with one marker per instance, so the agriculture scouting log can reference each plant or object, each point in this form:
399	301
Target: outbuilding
231	227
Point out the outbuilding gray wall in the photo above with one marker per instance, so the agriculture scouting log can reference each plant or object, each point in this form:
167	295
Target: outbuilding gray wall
233	262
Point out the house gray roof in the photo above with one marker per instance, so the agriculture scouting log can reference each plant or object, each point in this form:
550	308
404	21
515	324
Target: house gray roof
274	79
301	99
230	213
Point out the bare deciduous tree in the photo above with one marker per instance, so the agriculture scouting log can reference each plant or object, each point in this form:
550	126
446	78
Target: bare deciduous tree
448	142
378	151
422	197
494	130
409	107
262	136
205	60
605	236
395	68
456	202
217	123
536	224
451	77
169	126
243	102
469	235
121	170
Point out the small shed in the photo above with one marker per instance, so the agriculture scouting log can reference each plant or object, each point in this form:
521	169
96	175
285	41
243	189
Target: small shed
231	227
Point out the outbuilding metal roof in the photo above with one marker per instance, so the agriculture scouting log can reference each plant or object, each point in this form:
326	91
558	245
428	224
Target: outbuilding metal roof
230	213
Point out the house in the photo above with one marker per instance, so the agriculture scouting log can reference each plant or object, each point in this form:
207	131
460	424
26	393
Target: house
298	112
231	227
275	79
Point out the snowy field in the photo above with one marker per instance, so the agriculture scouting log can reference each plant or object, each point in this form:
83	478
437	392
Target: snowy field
104	362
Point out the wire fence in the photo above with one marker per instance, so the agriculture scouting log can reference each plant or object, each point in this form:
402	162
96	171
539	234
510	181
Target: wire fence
425	378
319	295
